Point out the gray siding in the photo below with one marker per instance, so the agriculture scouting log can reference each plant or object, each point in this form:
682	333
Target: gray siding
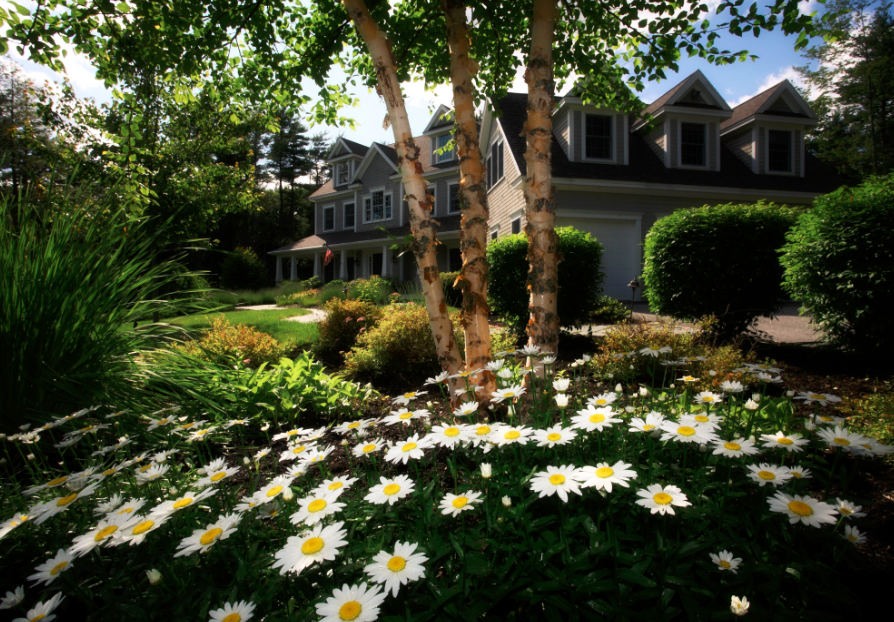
562	132
576	125
376	176
655	140
740	145
502	199
761	150
673	141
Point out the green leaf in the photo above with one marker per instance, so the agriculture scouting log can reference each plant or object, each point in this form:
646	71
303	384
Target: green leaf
22	10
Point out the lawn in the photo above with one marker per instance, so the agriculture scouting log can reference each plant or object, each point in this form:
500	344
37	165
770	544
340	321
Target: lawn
273	322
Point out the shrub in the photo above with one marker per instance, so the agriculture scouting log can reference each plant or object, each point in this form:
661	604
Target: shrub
227	342
453	297
242	269
503	340
609	311
375	290
718	260
580	277
401	343
345	319
839	262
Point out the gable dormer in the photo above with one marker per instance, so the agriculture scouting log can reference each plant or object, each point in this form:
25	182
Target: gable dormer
344	157
767	131
440	132
588	133
685	125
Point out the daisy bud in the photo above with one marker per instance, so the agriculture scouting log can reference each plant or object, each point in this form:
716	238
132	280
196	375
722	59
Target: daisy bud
810	426
751	405
154	576
702	448
662	397
246	461
643	392
344	442
561	400
618	388
712	373
429	404
673	386
30	457
266	427
609	375
790	394
756	397
739	607
632	368
288	494
655	433
486	470
629	409
587	358
2	460
507	502
2	437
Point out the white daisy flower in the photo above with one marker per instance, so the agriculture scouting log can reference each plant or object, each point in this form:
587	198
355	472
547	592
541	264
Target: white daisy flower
203	539
43	611
261	454
731	386
603	399
413	448
693	433
186	500
802	509
215	465
726	561
192	425
390	490
54	483
270	510
336	485
154	472
297	470
821	398
103	534
12	523
399	416
848	509
397	568
295	452
561	384
505	374
200	435
652	422
453	505
314	435
711	422
164	455
799	472
367	448
602	476
465	409
556	435
594	418
352	602
319	544
408	397
47	572
768	378
688	379
314	455
233	612
660	499
841	437
873	447
828	420
248	503
44	511
13	599
709	399
217	476
315	508
556	481
655	350
234	422
437	379
853	535
768	474
735	448
480	433
507	435
791	442
449	436
129	508
509	393
292	434
529	350
135	531
104	508
349	427
273	488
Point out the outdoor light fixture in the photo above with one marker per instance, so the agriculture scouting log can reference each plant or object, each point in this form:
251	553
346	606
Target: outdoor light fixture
633	285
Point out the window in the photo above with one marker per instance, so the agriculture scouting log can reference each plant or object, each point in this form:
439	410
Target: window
431	194
495	164
598	137
494	234
441	142
692	144
454	260
453	199
342	171
779	151
349	216
329	218
377	206
516	226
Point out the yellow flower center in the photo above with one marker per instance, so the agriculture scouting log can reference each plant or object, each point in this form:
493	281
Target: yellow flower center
597	418
724	563
481	430
409	395
405	415
143	527
604	472
66	500
553	437
648	427
396	564
57	481
795	474
511	435
291	432
852	537
827	419
766	475
688	378
298	450
701	418
369	448
350	610
335	485
784	441
316	505
844	511
188	425
408	447
600	401
125	511
816	396
110	471
162	421
800	508
662	498
233	617
391	489
312	545
353	425
146	467
509	394
37	617
202	432
218	476
451	432
460	502
210	536
685	430
841	441
58	568
182	503
105	533
557	480
274	491
732	446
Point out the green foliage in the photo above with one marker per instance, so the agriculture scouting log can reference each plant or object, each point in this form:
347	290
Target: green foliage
839	262
453	297
271	321
226	343
265	296
400	344
872	415
375	289
609	311
312	297
580	277
345	320
718	260
242	269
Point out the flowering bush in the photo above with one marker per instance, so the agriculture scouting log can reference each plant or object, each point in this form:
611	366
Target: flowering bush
345	320
617	505
227	342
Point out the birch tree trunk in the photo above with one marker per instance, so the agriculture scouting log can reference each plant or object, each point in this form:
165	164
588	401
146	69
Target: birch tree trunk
540	204
421	222
473	235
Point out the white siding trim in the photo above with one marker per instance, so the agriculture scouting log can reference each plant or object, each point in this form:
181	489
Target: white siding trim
449	186
571	133
754	155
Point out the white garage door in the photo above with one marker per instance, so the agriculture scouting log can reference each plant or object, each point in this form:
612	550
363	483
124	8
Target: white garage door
621	257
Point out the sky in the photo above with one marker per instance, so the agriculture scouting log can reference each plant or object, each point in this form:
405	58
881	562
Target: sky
737	82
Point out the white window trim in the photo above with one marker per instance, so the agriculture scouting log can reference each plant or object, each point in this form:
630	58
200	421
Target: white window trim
348	171
345	211
369	196
493	230
449	186
704	167
516	215
323	223
583	138
490	150
438	158
791	147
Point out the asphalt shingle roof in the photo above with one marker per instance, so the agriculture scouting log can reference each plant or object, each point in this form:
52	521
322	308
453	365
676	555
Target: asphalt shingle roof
448	223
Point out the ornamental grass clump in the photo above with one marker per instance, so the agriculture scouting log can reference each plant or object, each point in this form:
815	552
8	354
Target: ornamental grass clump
620	504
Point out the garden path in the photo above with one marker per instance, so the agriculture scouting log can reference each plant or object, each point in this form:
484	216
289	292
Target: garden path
313	316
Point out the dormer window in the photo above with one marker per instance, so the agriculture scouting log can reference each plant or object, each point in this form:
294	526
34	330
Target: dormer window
779	151
377	207
342	173
445	156
693	146
598	137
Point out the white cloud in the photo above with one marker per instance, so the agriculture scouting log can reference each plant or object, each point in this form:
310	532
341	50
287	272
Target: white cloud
784	73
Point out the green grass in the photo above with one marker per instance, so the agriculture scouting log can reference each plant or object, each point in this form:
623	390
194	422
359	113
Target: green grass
251	297
272	322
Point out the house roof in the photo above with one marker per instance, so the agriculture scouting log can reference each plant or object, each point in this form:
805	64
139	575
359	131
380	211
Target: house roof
646	167
356	147
333	238
753	106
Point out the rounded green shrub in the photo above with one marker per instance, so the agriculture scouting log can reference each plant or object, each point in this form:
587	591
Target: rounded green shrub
839	262
345	320
580	277
720	260
243	269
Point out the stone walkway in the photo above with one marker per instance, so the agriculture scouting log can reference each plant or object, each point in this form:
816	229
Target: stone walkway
314	316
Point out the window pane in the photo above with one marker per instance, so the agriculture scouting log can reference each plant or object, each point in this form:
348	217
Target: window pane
343	173
493	235
349	215
500	160
780	151
453	205
599	137
442	142
367	208
516	226
329	218
692	144
377	205
490	174
387	206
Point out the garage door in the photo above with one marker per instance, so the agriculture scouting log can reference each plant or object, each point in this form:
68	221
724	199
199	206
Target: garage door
621	258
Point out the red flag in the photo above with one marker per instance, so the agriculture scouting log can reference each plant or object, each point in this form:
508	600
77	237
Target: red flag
328	258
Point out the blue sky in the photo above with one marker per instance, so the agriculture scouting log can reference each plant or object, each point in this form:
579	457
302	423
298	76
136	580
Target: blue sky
735	82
